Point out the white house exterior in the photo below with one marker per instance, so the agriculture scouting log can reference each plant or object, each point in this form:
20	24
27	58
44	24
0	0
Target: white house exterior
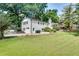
32	25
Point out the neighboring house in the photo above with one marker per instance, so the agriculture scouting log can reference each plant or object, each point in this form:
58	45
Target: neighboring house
33	25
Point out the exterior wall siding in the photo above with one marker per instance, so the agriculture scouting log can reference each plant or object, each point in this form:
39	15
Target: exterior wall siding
36	25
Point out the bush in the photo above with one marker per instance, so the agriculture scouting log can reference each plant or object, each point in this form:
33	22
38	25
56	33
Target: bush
47	29
54	30
56	27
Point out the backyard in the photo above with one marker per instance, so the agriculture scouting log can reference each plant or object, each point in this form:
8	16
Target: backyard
55	44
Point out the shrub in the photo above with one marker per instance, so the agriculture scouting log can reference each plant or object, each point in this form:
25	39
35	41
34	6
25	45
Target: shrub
54	30
56	27
47	29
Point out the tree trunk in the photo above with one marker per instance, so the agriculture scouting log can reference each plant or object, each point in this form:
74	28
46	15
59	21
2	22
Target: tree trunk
1	34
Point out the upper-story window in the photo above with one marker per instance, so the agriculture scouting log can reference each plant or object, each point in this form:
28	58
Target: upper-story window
27	28
25	22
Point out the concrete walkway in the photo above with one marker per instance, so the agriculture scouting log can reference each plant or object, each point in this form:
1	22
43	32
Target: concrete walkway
23	34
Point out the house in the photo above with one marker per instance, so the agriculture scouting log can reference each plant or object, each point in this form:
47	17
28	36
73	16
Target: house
34	26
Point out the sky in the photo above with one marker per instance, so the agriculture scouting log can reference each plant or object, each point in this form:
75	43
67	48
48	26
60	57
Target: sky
58	6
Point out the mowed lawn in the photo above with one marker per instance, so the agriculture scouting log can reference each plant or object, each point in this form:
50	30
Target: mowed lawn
55	44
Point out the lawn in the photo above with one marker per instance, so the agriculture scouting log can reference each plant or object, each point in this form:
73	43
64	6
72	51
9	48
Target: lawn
56	44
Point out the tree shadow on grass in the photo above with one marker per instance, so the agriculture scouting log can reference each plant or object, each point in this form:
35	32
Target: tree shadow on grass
76	33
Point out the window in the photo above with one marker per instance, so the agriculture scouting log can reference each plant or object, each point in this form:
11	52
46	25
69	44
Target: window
27	28
25	23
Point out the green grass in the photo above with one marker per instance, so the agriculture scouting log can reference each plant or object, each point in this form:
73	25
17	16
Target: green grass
56	44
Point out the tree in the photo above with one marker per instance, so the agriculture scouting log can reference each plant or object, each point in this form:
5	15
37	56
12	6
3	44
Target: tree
44	17
4	23
14	12
34	10
53	15
77	12
18	10
68	17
